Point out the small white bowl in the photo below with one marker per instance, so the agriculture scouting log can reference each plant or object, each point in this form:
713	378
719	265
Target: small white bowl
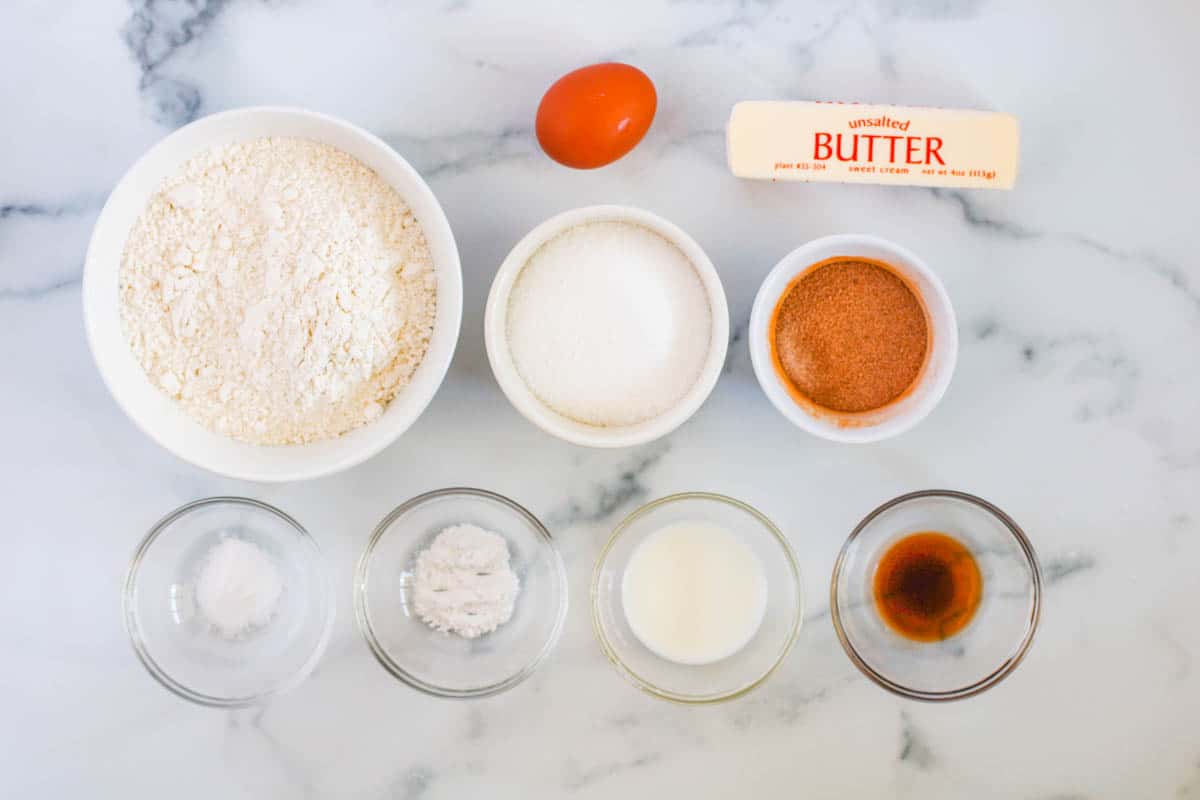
159	416
892	419
514	386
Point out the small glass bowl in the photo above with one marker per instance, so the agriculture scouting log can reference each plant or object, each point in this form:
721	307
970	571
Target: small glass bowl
721	680
992	644
445	664
181	649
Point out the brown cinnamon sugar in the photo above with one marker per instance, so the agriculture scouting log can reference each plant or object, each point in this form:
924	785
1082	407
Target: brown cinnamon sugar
849	335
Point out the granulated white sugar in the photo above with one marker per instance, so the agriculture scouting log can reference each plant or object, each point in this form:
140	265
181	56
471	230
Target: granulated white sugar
609	324
279	290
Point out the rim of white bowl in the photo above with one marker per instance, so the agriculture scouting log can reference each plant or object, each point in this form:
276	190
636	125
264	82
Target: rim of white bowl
514	386
931	386
430	373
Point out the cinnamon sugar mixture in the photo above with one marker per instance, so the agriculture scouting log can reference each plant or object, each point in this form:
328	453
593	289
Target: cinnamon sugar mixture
850	335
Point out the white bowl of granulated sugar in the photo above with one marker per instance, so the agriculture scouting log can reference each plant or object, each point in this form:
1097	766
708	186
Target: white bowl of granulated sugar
607	326
272	294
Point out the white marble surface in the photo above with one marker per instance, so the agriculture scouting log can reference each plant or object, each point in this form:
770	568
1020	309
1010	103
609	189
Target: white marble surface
1074	406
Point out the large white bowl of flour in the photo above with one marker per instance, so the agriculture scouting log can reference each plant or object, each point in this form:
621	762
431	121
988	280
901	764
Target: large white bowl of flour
161	416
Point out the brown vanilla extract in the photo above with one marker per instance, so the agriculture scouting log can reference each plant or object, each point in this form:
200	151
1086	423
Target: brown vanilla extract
927	586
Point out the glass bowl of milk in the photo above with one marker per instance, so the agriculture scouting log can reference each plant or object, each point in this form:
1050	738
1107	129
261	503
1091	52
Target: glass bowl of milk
697	598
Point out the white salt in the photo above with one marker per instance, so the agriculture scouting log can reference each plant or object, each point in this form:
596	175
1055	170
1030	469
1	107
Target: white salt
609	324
238	587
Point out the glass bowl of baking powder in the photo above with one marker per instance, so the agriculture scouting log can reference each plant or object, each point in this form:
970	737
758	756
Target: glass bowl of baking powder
441	662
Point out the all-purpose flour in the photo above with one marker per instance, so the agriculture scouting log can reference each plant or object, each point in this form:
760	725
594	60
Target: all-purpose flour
279	290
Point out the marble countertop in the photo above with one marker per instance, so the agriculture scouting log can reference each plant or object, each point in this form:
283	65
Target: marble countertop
1073	407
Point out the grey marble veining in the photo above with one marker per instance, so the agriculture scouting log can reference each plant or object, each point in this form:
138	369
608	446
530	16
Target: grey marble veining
1073	406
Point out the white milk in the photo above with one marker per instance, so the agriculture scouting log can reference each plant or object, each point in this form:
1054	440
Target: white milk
694	593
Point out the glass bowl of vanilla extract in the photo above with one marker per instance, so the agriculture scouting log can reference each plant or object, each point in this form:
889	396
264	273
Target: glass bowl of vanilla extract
936	595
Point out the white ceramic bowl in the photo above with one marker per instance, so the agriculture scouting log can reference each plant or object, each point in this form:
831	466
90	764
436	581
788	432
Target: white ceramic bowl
524	400
160	417
892	419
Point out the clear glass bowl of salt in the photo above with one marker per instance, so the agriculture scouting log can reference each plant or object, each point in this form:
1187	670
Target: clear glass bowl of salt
227	602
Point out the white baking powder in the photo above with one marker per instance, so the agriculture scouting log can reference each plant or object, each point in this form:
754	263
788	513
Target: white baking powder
238	587
609	324
279	290
463	582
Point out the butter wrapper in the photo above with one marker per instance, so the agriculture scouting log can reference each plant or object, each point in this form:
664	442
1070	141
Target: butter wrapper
853	143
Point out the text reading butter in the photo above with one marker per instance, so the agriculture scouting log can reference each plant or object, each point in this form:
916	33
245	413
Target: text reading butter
852	143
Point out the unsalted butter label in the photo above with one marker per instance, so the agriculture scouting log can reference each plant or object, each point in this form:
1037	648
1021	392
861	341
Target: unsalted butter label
852	143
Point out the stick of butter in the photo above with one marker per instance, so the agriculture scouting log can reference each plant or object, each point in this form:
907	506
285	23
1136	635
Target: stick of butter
851	143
